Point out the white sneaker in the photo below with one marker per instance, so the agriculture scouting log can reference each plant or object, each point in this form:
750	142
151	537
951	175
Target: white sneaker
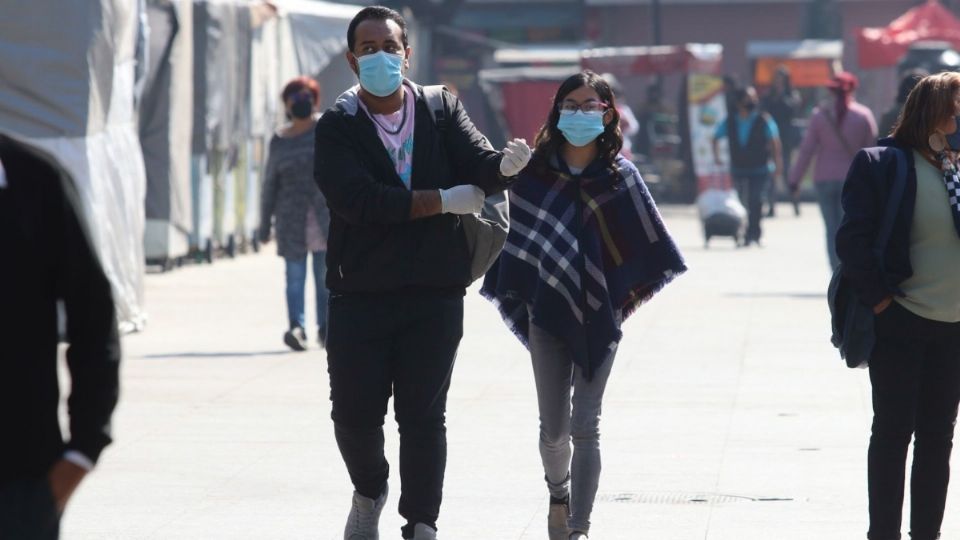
364	517
424	532
577	535
557	522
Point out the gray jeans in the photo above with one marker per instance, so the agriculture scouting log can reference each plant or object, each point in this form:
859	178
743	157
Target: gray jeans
828	194
555	375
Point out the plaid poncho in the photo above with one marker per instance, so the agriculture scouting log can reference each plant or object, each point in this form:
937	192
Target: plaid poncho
584	252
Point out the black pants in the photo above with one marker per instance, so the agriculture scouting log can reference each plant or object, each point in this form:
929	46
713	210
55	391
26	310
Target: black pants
27	510
404	345
915	373
750	188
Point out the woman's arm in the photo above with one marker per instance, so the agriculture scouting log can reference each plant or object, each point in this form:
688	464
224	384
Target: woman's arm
862	214
268	199
809	146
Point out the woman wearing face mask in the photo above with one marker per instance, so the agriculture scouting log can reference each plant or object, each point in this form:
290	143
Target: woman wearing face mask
586	248
915	365
292	198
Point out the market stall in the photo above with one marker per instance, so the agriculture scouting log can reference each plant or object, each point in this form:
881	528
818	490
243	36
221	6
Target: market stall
811	62
681	156
68	89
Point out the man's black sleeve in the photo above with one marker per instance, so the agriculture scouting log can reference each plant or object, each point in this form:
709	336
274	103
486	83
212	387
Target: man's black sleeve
351	192
93	356
474	160
858	231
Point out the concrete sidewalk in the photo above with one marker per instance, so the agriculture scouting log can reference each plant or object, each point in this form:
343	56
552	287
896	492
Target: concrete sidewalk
728	414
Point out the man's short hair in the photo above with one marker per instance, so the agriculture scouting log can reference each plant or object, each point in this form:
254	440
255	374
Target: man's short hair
375	13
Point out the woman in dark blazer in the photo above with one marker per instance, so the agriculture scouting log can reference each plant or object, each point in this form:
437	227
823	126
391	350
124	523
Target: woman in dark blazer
915	365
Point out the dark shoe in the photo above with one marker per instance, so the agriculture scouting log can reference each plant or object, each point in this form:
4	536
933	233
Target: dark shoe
295	339
322	337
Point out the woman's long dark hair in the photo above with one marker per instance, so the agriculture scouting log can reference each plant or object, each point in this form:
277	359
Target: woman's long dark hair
550	139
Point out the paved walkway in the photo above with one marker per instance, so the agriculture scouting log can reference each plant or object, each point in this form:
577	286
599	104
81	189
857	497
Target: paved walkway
728	415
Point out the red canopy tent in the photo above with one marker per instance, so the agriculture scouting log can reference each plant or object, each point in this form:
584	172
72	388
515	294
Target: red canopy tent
884	47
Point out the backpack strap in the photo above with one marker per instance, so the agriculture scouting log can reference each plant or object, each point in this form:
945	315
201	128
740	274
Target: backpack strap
433	95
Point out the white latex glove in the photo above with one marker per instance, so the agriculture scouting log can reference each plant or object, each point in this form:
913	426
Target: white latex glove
466	199
515	157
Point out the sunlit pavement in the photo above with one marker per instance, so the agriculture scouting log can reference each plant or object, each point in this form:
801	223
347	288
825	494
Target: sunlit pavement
728	415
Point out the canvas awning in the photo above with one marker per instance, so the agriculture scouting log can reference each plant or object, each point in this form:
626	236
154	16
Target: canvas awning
884	47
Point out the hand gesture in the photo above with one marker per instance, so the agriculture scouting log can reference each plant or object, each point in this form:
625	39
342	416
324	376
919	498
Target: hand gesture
515	157
465	199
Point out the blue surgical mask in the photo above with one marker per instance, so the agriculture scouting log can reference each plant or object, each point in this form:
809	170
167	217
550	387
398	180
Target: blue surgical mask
381	74
580	128
953	139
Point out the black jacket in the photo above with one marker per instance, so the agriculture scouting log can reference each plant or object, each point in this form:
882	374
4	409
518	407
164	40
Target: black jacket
373	246
47	256
865	193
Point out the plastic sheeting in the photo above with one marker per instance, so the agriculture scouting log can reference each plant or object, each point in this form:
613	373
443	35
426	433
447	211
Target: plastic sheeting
165	127
222	40
68	89
319	31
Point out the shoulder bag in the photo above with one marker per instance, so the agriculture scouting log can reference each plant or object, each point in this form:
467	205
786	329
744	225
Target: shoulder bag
853	322
486	233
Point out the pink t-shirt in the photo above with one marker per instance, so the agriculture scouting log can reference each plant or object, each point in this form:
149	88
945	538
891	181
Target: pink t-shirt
396	132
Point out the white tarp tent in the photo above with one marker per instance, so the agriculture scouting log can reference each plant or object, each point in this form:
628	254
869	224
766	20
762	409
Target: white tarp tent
68	89
166	123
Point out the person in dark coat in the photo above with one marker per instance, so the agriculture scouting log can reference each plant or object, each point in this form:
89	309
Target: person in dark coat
292	199
398	181
49	260
783	105
912	287
889	118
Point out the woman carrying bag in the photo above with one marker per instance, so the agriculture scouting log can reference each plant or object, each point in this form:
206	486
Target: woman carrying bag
586	248
913	288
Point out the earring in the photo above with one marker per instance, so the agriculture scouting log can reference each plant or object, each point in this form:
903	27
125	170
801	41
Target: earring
937	142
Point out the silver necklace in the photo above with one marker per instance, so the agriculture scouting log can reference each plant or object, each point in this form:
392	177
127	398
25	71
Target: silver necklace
403	119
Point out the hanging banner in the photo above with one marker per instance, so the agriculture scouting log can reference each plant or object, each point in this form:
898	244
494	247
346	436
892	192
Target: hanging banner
707	108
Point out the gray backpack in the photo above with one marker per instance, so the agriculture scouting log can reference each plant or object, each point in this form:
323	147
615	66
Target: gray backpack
487	233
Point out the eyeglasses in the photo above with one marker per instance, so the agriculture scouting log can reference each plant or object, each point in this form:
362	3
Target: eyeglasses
587	107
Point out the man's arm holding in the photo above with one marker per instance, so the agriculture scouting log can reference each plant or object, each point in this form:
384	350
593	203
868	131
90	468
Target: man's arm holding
349	190
474	159
358	198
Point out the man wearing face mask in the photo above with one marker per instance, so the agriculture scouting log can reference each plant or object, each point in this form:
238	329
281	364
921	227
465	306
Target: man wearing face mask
837	130
755	154
292	199
397	177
